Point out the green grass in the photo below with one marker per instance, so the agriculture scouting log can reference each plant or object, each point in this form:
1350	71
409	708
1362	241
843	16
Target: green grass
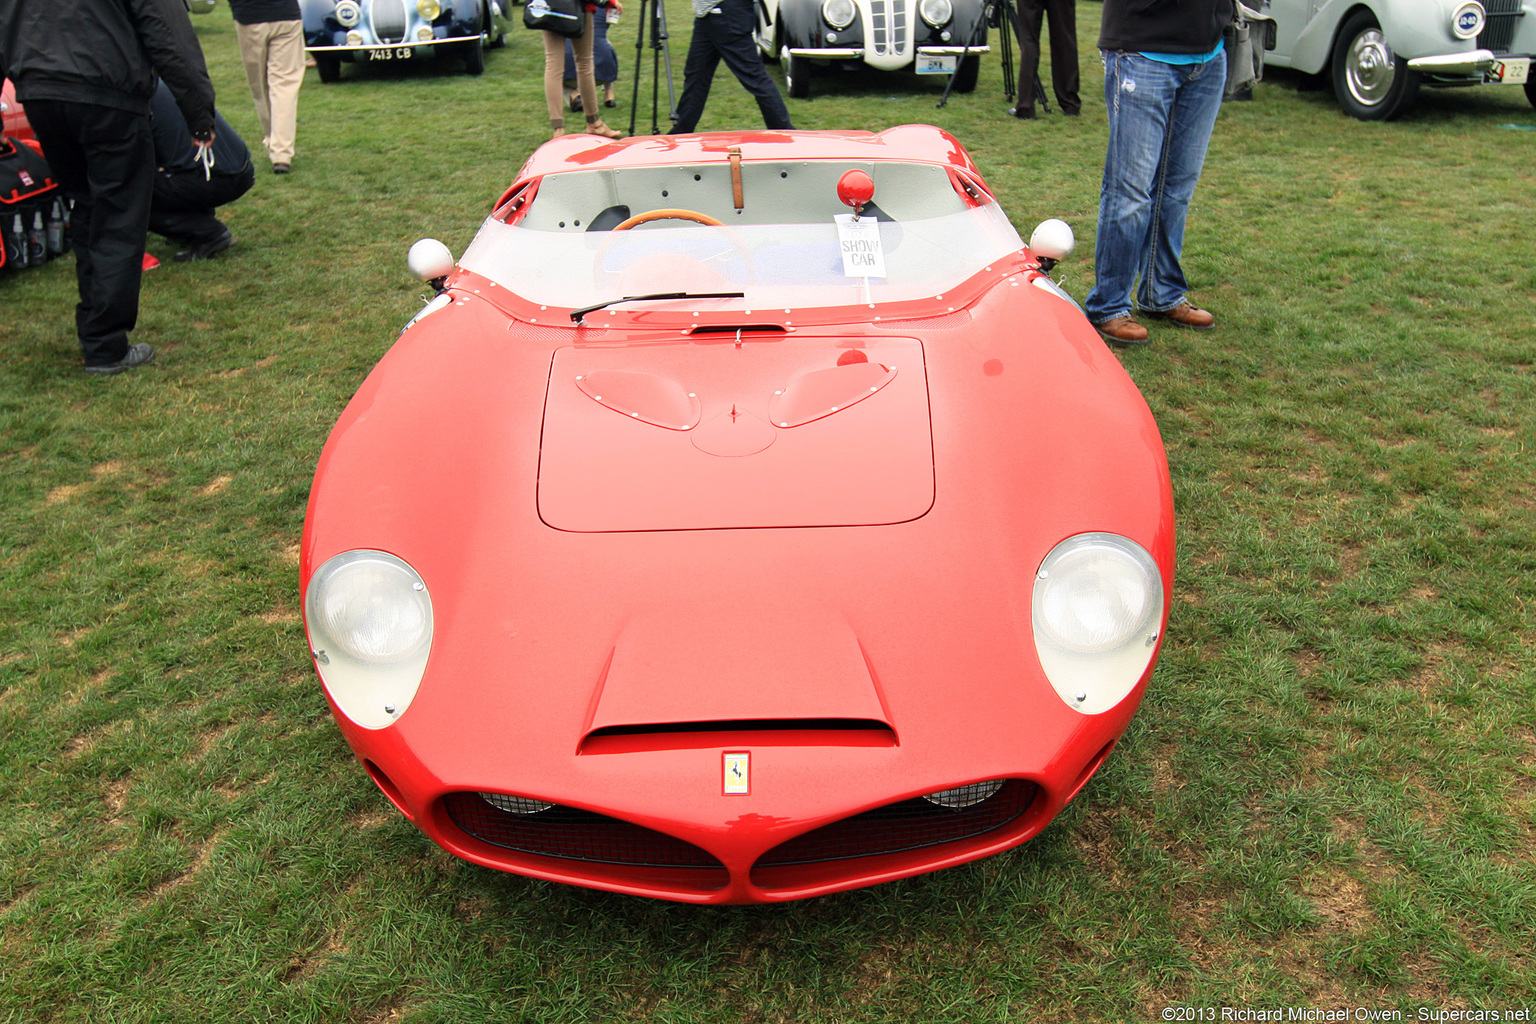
1329	797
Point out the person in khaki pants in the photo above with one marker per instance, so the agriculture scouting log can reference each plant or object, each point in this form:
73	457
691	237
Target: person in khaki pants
271	38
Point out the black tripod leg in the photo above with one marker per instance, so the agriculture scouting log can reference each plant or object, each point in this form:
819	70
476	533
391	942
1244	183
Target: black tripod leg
634	99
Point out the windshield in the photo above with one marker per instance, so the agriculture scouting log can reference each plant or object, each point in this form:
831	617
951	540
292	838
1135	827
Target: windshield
790	254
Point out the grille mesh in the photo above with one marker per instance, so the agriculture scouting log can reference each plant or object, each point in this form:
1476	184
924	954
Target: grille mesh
1498	32
909	825
888	19
573	834
389	20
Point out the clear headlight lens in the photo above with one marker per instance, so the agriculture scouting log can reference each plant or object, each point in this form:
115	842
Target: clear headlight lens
936	12
429	9
348	14
839	13
424	34
1098	606
1468	20
369	618
354	39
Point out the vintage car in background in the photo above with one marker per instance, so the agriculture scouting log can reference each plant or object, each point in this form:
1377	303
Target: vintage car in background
748	517
933	37
394	30
1379	52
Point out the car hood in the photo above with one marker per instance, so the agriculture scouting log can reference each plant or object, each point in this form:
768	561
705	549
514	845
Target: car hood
732	433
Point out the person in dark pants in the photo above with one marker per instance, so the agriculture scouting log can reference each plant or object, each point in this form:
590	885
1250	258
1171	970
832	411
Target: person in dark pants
85	70
186	194
1062	18
722	29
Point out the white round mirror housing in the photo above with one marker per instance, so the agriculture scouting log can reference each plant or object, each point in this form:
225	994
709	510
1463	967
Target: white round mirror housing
429	260
1052	240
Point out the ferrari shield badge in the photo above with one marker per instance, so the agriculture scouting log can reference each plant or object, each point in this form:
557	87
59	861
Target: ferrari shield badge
738	779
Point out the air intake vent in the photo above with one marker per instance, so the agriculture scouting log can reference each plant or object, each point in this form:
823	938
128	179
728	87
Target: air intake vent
767	732
389	19
909	825
573	834
1503	19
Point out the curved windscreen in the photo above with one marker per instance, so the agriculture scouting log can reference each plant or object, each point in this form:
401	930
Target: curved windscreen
785	253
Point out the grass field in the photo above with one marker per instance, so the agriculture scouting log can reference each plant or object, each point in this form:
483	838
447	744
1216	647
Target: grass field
1328	799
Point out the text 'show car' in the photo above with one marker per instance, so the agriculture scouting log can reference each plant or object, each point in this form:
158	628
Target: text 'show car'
1380	52
933	37
748	517
360	31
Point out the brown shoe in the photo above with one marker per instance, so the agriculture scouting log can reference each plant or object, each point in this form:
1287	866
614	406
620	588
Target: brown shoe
595	126
1122	330
1184	315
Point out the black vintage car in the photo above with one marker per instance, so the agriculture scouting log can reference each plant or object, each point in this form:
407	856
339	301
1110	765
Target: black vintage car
933	37
395	30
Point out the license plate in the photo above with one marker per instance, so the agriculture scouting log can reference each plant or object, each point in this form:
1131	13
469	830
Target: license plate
398	53
1514	71
937	64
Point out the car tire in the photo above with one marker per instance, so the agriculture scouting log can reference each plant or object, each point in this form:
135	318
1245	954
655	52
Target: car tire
797	74
1530	90
1371	82
328	67
474	57
970	70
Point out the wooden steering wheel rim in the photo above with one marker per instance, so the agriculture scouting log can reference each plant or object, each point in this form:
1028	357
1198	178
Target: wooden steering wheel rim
668	214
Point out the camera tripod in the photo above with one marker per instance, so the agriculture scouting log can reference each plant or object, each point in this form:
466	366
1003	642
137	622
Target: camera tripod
1001	15
660	51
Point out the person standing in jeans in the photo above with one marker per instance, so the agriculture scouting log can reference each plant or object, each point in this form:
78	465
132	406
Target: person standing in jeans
271	35
1164	73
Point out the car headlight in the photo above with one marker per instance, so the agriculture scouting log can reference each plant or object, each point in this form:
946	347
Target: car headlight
354	38
1468	20
348	14
369	618
1098	606
838	13
936	12
429	9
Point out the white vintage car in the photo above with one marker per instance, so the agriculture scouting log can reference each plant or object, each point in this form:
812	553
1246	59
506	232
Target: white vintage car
933	37
1379	52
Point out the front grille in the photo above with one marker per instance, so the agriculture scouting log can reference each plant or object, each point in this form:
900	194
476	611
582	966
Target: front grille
389	18
909	825
888	22
573	834
1498	32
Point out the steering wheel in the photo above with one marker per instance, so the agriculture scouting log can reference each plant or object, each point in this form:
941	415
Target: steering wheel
668	214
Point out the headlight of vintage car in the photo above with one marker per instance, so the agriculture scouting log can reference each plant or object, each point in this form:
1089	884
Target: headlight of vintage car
936	12
429	9
838	13
1098	606
354	38
369	618
348	14
1467	20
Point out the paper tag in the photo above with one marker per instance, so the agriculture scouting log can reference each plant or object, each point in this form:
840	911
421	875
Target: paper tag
859	241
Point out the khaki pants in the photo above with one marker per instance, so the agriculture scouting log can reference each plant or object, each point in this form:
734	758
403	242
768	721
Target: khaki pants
273	54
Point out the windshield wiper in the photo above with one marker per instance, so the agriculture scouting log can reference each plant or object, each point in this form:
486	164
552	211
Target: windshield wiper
577	314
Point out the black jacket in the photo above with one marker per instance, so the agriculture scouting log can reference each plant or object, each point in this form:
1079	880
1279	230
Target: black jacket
106	52
1164	26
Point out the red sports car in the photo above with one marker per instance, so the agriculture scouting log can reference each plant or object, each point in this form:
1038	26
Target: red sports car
749	517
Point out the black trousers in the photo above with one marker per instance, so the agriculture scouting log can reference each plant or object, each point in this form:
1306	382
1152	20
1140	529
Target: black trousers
1062	15
727	36
185	200
104	160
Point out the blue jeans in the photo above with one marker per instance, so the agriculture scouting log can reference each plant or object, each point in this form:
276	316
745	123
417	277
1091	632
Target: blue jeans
1160	121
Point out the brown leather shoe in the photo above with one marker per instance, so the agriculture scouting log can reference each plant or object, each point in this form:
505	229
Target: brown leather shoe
1122	330
1185	315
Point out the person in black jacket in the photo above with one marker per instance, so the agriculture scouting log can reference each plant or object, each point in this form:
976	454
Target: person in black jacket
1164	74
86	69
186	192
1062	16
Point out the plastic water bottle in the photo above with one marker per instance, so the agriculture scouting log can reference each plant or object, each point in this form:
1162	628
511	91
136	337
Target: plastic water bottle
16	243
37	246
55	230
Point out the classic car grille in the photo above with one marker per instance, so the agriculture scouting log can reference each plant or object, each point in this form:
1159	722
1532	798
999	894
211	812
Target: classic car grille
888	19
909	825
389	20
1498	33
573	834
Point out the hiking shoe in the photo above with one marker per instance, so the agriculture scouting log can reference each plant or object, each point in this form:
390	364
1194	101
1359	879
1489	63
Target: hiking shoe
206	250
1184	315
1122	330
139	353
